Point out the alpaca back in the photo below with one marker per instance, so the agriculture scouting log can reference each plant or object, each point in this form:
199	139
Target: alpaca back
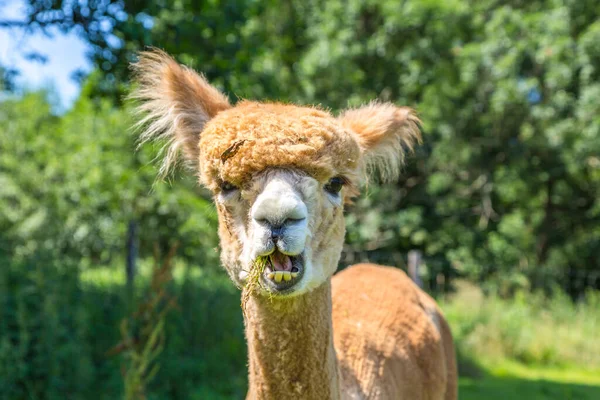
391	339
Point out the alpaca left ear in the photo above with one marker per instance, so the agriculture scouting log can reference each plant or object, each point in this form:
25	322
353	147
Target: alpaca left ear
384	132
175	104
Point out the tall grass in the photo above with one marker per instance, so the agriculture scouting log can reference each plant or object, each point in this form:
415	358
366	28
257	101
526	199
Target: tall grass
529	328
143	332
57	324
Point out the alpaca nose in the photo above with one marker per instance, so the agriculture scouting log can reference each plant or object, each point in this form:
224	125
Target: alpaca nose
276	232
278	209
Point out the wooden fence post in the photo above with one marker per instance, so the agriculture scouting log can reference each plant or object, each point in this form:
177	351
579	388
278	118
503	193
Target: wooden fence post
414	262
131	251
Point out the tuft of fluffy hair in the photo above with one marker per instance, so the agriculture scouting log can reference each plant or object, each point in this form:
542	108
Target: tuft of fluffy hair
175	103
384	132
252	137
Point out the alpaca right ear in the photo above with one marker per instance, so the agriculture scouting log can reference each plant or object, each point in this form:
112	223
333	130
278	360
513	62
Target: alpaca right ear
384	132
176	103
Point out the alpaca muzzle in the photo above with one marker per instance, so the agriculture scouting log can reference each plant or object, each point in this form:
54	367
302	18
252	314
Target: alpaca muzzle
282	272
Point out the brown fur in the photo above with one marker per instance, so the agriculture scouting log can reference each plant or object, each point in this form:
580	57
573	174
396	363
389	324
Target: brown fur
391	340
176	103
275	135
382	131
232	144
290	347
387	339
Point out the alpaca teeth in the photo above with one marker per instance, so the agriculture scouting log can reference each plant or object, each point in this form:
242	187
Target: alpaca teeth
278	276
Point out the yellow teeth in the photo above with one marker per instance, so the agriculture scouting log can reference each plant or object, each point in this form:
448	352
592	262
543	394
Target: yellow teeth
278	276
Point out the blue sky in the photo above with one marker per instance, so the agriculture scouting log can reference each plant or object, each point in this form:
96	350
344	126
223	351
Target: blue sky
66	54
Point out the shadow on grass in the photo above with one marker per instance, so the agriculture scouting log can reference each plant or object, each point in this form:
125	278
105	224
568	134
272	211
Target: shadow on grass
505	388
468	367
476	382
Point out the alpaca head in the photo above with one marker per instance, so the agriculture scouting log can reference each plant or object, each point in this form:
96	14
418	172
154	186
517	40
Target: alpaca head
280	174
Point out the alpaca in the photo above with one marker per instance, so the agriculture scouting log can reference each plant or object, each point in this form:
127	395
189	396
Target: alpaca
280	175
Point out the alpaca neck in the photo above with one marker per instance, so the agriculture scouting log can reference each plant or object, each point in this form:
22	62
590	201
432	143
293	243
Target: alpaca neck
290	347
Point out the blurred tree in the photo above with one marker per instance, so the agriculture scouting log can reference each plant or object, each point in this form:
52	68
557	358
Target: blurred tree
507	182
7	76
71	185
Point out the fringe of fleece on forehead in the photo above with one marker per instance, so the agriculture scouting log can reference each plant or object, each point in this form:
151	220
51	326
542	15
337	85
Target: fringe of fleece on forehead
385	132
173	103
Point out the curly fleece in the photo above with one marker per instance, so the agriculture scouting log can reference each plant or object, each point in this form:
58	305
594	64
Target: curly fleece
252	136
230	143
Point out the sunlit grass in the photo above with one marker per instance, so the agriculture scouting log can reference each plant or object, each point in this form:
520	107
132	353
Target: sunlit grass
513	380
107	276
522	348
567	374
527	347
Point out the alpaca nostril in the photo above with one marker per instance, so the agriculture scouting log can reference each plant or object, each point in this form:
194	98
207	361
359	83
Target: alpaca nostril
276	232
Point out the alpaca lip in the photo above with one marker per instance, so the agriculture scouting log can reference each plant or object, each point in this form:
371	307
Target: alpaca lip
282	272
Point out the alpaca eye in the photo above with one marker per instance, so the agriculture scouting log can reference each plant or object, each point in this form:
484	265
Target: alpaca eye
335	185
227	187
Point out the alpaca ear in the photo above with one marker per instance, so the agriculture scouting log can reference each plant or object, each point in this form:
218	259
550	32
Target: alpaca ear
384	132
176	103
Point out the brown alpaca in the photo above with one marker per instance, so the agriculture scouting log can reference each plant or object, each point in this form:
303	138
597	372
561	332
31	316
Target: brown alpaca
280	175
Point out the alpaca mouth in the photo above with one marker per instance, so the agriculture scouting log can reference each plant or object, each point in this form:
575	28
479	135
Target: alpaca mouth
282	271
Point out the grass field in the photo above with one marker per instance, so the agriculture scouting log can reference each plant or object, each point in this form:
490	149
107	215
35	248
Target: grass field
508	349
527	347
494	375
512	380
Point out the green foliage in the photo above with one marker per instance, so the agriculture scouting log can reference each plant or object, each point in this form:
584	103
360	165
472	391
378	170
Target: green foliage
57	328
71	184
530	328
529	347
506	184
46	346
143	332
504	190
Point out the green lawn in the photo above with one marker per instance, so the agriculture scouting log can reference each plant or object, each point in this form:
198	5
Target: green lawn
511	380
209	304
